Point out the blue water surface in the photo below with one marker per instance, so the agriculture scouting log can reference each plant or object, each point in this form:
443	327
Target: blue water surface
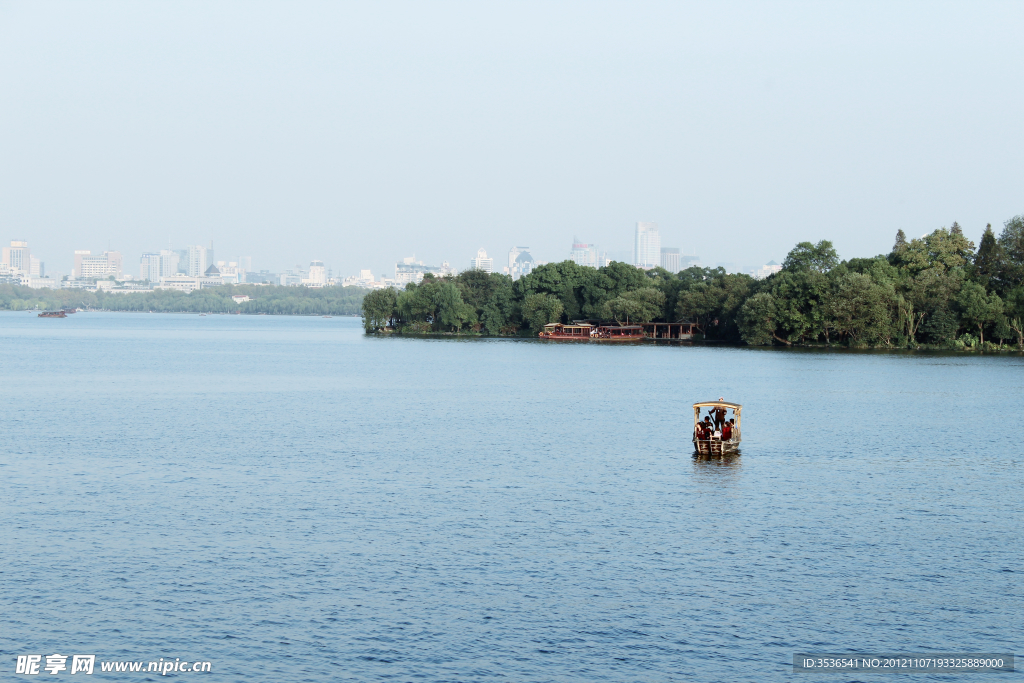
294	501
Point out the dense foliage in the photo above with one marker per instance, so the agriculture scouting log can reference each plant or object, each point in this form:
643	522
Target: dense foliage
270	299
936	290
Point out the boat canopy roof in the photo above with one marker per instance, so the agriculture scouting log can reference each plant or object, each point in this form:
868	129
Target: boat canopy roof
713	404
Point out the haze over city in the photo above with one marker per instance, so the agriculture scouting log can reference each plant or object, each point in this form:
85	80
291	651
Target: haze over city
359	134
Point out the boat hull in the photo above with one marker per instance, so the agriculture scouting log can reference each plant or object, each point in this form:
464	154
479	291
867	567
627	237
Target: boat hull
715	447
563	337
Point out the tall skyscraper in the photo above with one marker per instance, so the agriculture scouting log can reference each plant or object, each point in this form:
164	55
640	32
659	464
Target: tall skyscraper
647	246
196	261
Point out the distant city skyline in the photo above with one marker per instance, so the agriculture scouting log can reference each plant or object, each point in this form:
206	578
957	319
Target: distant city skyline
382	130
195	260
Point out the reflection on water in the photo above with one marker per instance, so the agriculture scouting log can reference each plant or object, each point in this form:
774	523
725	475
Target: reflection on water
724	468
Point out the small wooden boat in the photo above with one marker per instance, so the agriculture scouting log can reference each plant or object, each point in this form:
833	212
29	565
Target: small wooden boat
709	444
53	314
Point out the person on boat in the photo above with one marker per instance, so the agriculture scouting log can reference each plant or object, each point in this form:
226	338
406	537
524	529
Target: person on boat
719	416
726	431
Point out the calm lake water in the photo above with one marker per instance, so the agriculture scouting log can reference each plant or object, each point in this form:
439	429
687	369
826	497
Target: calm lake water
294	501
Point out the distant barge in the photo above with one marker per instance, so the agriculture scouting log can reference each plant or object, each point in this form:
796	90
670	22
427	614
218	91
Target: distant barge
53	314
595	331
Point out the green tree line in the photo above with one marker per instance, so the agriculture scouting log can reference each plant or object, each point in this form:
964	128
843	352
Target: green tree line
270	299
937	290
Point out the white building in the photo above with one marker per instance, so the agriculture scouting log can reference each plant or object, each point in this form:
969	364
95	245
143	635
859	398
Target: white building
585	254
482	262
364	280
230	272
646	246
767	270
180	283
149	267
411	270
100	266
18	258
196	263
169	261
317	275
40	282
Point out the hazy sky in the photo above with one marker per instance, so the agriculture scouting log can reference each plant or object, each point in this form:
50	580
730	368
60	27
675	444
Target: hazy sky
359	133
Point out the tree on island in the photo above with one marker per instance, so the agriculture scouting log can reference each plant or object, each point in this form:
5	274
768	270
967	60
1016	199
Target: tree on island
640	306
379	309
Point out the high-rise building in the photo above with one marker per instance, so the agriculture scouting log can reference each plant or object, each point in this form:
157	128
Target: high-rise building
646	246
245	263
168	262
317	275
99	266
513	256
670	259
522	264
149	267
196	261
156	265
76	271
17	257
114	263
585	254
481	262
36	267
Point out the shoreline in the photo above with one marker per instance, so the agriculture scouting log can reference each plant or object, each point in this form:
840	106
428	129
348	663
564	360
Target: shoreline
920	348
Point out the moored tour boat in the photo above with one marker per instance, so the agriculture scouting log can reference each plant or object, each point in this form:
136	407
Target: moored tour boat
709	436
574	332
619	333
580	331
